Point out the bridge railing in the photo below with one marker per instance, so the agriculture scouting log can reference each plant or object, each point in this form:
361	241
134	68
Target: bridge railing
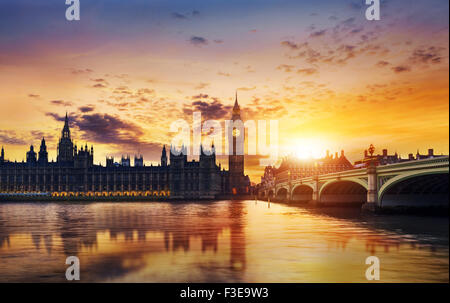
437	160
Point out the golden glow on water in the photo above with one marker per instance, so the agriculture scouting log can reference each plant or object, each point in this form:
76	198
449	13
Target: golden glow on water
217	242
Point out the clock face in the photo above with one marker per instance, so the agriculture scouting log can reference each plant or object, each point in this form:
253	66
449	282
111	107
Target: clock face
236	132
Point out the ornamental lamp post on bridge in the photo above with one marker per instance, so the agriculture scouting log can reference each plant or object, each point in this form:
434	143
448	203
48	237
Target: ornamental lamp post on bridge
315	195
289	194
372	180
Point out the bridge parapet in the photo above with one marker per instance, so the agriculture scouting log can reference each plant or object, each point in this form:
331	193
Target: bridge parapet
414	165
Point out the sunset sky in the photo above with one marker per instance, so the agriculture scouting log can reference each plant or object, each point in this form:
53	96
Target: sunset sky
128	69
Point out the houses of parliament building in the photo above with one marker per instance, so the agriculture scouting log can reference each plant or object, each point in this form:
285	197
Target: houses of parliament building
75	174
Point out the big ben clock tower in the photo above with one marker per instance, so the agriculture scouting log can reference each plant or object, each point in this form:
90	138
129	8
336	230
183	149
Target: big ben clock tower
236	158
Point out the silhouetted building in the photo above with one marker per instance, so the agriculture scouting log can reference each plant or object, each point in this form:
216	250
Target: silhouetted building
239	183
2	155
43	154
138	161
267	180
294	168
385	158
65	145
126	161
31	156
74	173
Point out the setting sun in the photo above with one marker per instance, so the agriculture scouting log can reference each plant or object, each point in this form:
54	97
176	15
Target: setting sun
308	148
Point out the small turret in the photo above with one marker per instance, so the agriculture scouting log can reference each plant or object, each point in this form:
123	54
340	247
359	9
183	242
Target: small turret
138	161
164	156
109	161
43	154
31	155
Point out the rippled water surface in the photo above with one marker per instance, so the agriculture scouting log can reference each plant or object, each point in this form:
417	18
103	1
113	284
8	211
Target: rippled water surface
216	242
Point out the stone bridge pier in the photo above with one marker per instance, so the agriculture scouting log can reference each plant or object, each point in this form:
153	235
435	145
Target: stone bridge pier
372	190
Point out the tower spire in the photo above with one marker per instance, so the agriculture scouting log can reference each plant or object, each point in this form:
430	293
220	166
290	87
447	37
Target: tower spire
236	109
66	129
66	121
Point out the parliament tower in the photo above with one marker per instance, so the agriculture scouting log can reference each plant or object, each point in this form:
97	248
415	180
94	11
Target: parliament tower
238	184
65	145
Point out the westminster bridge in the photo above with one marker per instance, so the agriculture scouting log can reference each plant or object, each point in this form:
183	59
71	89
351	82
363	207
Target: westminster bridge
419	183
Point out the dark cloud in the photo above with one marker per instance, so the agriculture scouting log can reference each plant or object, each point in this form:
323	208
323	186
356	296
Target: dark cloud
218	41
86	109
178	16
318	33
210	110
382	63
110	129
348	21
356	5
105	128
289	44
61	102
99	85
38	135
401	69
59	118
431	54
34	96
200	96
198	41
10	137
356	30
81	71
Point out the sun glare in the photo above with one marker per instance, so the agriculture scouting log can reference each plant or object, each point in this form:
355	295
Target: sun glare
308	149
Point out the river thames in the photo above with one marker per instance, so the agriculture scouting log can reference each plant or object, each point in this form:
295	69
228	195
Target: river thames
224	241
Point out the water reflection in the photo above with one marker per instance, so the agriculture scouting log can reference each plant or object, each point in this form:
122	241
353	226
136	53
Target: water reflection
216	242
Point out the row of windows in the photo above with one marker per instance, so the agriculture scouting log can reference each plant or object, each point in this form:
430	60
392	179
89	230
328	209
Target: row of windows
42	188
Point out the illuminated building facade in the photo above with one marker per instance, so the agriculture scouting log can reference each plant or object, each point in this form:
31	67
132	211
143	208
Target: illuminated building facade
75	174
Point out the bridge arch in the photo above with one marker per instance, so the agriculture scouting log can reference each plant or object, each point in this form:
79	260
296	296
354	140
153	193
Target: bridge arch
416	189
302	193
261	194
282	194
344	191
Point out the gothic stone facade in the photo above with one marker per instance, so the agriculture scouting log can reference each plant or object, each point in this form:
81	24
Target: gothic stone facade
74	173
